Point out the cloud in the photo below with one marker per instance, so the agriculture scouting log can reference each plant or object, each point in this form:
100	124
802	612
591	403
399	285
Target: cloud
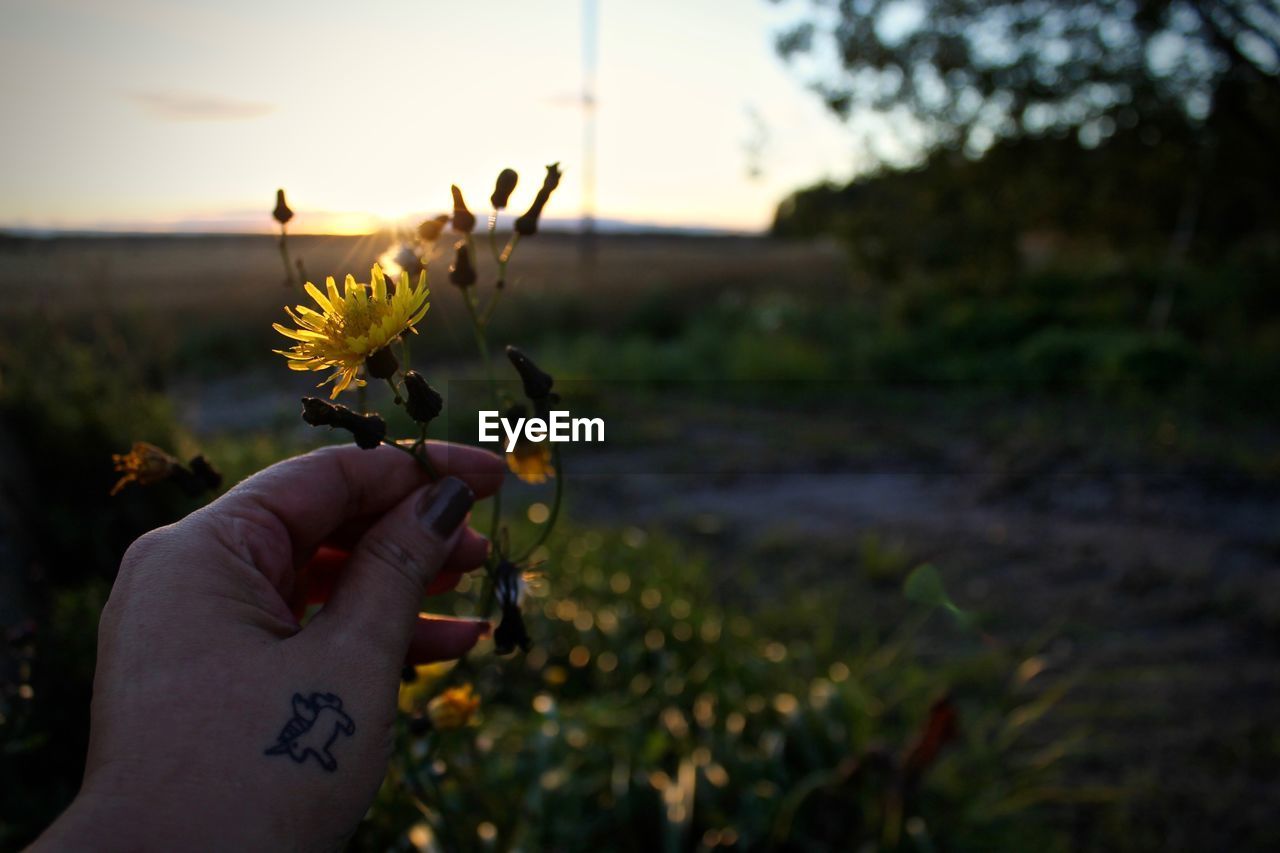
190	106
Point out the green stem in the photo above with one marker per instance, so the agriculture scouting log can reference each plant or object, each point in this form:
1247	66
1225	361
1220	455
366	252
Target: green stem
284	258
487	314
556	501
493	238
482	344
424	458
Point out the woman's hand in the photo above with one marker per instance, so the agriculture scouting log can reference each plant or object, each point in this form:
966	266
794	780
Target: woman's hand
218	720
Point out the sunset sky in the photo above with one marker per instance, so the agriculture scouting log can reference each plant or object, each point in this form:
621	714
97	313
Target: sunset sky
174	114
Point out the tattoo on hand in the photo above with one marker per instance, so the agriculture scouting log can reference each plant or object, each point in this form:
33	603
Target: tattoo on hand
315	725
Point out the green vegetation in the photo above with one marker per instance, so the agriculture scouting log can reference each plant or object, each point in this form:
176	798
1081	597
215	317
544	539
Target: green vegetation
657	713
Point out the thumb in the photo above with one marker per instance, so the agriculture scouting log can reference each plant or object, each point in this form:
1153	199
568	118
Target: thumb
378	595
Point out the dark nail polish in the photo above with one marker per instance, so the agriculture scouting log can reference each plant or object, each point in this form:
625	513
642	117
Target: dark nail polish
445	505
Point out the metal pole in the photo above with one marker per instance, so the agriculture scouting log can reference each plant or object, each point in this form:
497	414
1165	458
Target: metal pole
590	22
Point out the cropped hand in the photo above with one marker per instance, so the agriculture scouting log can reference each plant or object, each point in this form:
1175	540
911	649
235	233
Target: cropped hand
221	722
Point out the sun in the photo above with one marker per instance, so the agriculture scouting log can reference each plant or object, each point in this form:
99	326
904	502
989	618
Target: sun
348	224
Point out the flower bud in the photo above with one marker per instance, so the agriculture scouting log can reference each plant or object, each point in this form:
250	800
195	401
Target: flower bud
203	475
382	363
537	383
502	190
282	213
464	221
367	430
424	403
431	229
408	259
462	273
527	225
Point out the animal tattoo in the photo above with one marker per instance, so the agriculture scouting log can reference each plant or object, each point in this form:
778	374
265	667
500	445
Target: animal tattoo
315	725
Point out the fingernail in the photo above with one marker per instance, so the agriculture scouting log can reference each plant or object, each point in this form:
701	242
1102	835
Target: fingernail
443	507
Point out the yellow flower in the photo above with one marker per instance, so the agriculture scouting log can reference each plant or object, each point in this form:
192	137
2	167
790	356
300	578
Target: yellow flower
453	708
531	462
414	692
352	325
144	464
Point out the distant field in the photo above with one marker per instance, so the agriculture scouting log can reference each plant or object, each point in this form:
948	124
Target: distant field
230	274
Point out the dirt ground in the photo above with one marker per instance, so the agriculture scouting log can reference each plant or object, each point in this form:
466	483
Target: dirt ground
1155	584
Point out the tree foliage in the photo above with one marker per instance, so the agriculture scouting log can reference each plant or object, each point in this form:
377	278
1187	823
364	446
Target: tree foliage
968	72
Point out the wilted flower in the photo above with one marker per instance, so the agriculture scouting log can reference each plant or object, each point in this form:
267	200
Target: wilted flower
424	403
506	184
367	430
462	273
453	708
537	382
464	221
527	225
511	634
431	229
144	464
354	324
282	213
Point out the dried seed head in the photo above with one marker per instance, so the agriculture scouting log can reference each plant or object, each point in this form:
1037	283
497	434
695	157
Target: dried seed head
431	229
424	403
367	430
462	273
502	190
537	383
527	225
282	213
319	412
464	221
382	363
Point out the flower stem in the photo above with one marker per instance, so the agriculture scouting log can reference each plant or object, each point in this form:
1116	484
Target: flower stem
556	501
284	258
423	457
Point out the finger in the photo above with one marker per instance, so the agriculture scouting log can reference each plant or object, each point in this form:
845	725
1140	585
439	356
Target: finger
316	578
470	552
437	638
375	599
280	515
446	581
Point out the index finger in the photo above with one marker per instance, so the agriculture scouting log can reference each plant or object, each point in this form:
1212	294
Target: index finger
312	495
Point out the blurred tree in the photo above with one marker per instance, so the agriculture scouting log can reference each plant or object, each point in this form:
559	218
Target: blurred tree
969	72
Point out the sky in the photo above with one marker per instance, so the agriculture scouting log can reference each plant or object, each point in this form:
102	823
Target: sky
182	115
